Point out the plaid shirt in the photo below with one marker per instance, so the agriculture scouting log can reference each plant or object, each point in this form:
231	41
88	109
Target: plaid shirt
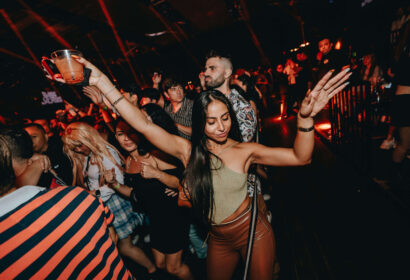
245	115
183	116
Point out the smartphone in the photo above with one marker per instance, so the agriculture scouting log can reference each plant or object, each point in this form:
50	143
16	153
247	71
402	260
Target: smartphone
49	67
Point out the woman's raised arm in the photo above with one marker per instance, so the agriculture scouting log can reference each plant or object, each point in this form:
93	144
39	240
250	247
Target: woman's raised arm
314	102
167	142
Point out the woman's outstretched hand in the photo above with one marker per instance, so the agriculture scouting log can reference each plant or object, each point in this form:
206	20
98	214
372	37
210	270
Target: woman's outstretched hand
324	90
94	94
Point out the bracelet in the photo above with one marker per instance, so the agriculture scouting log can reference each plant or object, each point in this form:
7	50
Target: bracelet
118	100
304	129
117	187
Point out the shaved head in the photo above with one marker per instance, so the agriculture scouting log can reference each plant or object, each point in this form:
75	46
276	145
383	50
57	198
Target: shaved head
224	58
218	71
226	62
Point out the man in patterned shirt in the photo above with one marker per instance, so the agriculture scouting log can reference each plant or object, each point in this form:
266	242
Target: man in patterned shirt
218	72
179	107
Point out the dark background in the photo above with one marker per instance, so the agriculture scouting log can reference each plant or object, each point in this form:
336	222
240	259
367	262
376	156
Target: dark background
194	27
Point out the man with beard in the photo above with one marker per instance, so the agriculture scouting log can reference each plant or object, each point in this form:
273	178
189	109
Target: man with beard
218	72
217	75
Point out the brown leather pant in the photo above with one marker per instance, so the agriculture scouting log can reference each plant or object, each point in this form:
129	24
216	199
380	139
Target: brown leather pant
228	242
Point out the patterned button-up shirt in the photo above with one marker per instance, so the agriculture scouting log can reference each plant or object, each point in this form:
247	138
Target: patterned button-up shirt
183	116
247	125
245	114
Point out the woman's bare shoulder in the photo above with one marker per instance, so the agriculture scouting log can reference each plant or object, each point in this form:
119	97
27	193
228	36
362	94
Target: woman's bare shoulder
242	148
246	145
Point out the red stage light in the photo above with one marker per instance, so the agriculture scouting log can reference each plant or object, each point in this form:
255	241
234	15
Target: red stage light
46	26
338	45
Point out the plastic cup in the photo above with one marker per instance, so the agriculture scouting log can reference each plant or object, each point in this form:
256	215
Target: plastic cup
70	69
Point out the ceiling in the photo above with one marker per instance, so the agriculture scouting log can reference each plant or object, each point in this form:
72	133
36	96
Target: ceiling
168	35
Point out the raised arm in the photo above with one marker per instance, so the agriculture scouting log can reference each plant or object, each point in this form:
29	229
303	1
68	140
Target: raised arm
184	129
156	80
301	153
169	143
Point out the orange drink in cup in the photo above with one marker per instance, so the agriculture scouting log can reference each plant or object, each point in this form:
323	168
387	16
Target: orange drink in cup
70	69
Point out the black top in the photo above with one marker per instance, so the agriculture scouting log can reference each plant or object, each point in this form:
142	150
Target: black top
168	222
60	163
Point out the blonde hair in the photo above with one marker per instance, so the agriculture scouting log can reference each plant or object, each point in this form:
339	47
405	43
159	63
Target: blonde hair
79	133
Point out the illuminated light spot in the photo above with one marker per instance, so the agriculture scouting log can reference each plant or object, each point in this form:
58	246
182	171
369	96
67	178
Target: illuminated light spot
338	45
323	126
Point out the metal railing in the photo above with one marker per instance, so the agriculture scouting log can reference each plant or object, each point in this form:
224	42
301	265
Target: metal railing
351	116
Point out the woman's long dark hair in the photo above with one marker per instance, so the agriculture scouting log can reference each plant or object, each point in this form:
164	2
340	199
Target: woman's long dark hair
197	176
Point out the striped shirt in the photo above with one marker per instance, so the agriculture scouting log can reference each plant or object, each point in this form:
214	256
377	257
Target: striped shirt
60	233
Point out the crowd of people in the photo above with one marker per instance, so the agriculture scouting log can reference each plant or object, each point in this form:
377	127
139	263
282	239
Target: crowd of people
74	190
136	165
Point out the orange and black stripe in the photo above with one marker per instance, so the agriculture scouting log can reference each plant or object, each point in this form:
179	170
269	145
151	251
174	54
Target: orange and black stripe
60	233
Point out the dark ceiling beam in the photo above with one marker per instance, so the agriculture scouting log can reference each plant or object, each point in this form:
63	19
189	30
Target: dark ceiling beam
101	56
47	27
172	15
291	8
239	11
119	41
19	36
87	24
171	31
13	54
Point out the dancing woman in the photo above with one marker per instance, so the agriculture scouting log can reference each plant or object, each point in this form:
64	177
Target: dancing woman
91	157
149	179
217	165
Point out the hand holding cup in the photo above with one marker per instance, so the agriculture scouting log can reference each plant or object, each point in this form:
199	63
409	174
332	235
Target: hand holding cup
71	71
